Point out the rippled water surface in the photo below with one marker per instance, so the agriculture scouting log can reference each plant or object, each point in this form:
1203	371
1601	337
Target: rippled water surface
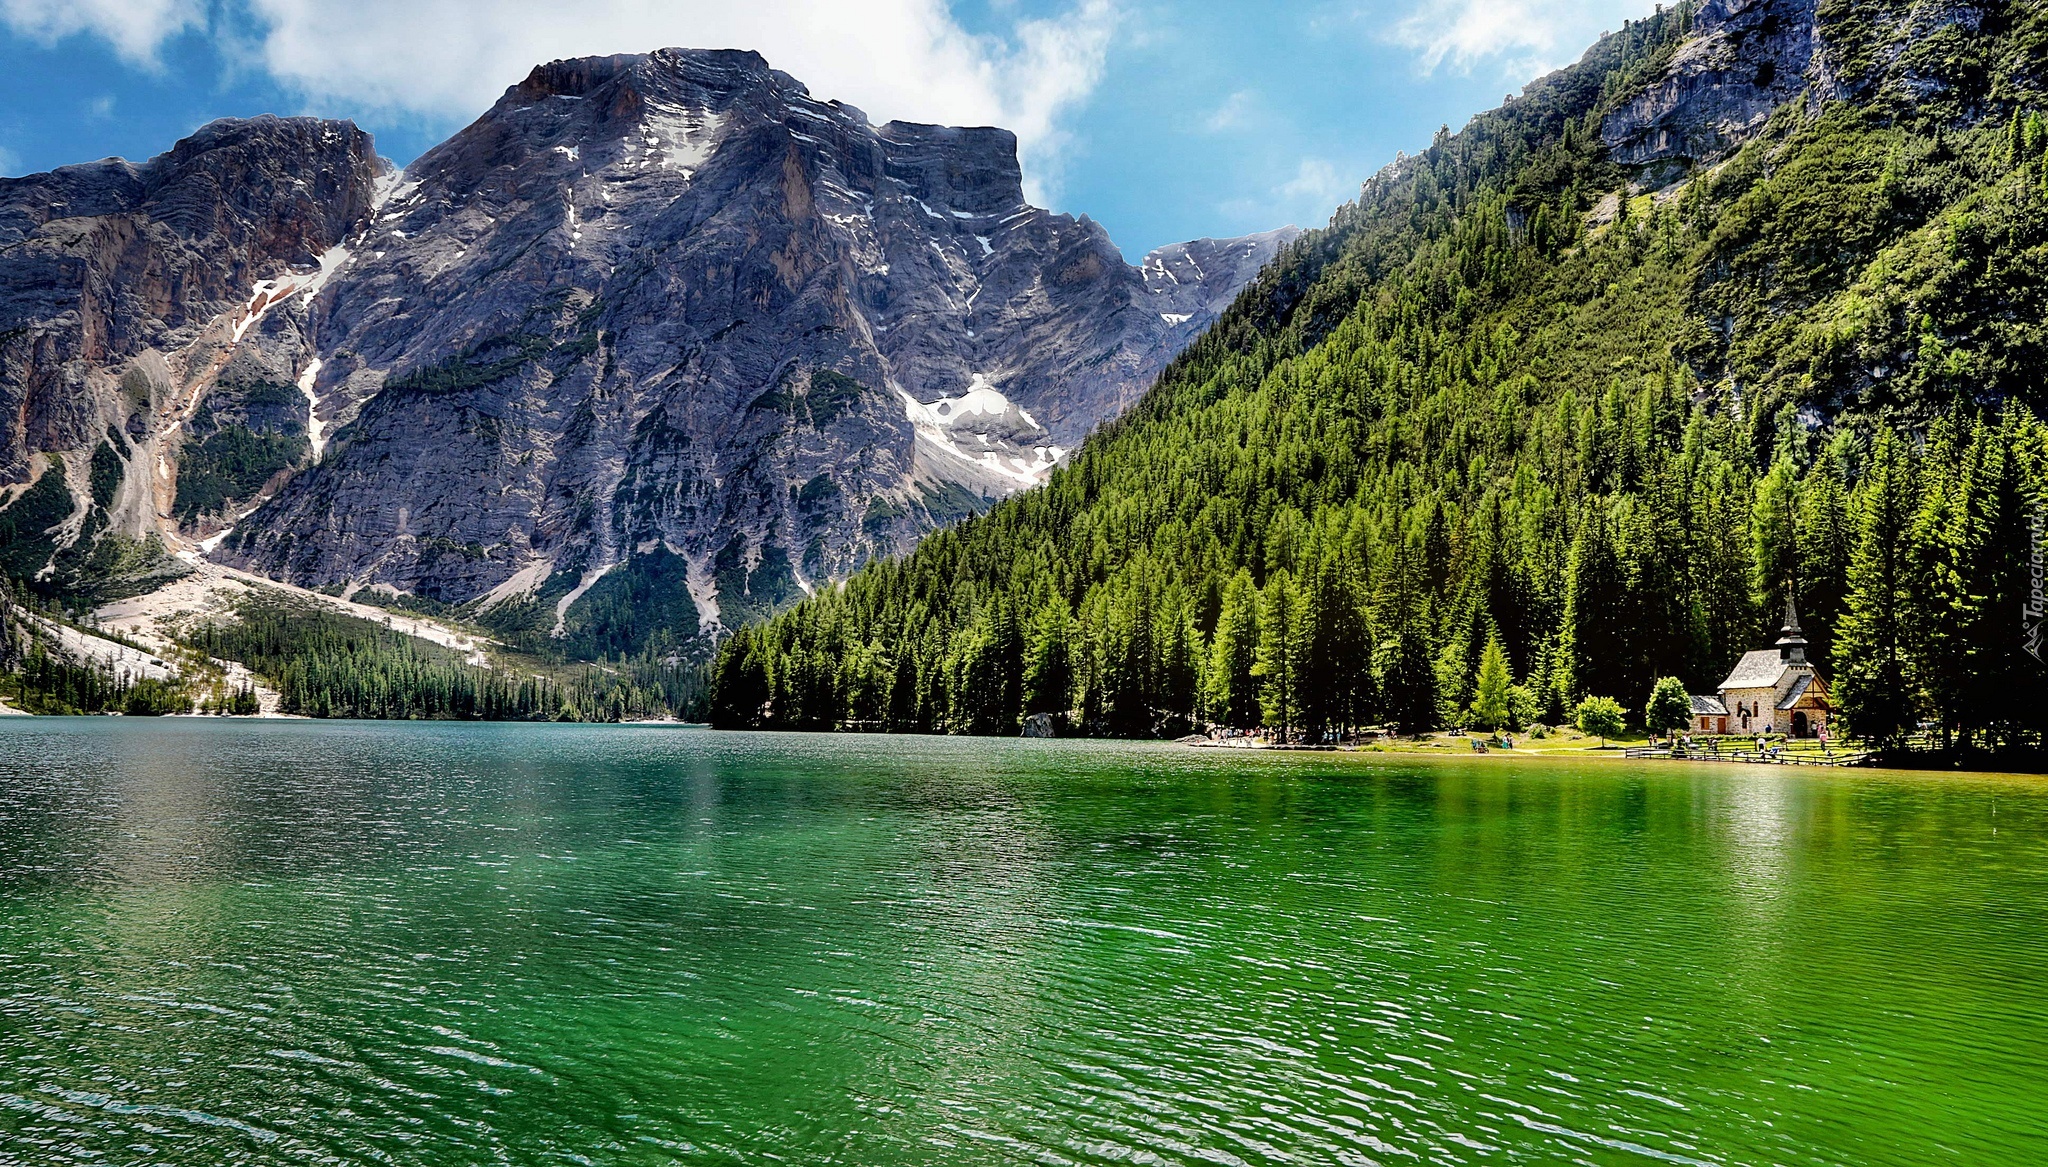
434	944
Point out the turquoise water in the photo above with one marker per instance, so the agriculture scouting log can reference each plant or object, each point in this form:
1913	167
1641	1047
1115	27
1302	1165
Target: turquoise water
422	944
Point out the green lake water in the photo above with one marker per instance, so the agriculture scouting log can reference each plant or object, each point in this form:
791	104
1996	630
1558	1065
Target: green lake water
450	944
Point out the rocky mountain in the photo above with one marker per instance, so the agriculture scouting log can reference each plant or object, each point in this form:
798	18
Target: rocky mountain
653	326
127	293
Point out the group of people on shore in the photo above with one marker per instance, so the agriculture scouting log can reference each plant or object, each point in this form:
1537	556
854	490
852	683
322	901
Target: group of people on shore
1684	744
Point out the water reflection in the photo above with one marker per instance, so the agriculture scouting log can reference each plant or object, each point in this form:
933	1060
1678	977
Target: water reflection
265	943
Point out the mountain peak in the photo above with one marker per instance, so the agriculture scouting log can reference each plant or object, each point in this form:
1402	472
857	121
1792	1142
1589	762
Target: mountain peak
649	309
727	70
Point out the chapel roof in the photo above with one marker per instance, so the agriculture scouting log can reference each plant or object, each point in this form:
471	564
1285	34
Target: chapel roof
1762	669
1798	690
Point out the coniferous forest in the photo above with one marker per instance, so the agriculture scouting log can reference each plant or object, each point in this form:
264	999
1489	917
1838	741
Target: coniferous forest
324	664
1510	416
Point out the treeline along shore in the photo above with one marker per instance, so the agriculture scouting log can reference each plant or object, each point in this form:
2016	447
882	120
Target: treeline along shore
1521	401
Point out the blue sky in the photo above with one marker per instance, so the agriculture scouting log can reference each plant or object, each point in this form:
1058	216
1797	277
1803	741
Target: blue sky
1164	121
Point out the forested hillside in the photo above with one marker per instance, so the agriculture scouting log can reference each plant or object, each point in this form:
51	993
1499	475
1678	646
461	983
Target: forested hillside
1516	397
324	664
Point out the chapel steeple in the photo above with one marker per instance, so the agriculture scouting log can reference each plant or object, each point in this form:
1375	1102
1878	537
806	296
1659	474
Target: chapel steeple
1791	642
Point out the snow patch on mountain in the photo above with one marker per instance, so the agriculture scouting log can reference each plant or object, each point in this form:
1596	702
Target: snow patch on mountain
316	430
988	431
684	137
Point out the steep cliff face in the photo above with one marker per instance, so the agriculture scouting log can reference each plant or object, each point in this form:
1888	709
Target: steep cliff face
1746	59
128	296
670	315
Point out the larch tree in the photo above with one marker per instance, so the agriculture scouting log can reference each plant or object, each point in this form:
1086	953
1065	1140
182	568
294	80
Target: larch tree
1492	703
1278	667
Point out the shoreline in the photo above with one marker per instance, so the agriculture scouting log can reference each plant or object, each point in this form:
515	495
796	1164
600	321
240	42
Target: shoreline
1933	767
1608	754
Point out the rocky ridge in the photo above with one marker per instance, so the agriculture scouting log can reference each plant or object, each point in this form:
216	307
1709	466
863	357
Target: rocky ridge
1747	59
663	318
128	295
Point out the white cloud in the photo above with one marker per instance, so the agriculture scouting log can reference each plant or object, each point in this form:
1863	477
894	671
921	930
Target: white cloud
1315	190
1235	113
8	162
446	60
135	28
1520	39
1317	184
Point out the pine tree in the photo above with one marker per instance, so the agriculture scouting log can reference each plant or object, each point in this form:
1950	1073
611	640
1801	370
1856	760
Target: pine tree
1825	539
1775	559
1939	541
1597	633
1874	685
1408	690
1177	675
1336	665
1049	668
1993	694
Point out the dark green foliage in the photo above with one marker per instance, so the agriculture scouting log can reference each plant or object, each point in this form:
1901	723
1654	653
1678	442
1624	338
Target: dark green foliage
1875	682
817	398
525	623
105	565
269	407
325	664
328	665
36	677
230	466
1232	694
401	602
1611	447
1408	678
25	541
818	493
949	502
1601	717
105	478
484	363
747	596
640	607
881	513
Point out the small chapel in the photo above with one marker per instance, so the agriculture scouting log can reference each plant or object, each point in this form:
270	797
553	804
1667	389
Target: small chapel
1772	690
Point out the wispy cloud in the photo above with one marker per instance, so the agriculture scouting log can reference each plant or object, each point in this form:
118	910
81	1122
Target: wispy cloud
135	28
1236	112
9	161
1308	196
446	60
1316	183
1517	39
